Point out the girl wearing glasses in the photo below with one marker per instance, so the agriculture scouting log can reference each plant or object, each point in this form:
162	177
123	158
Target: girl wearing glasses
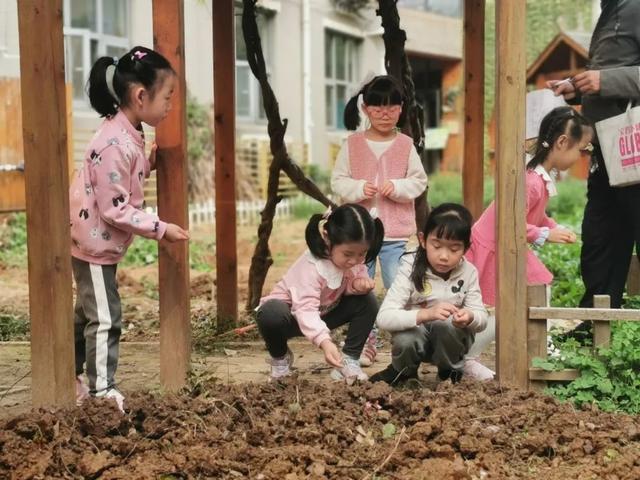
564	136
379	168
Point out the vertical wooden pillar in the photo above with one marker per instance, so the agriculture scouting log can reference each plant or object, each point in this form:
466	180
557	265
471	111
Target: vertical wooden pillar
44	126
171	137
511	305
536	332
473	156
225	177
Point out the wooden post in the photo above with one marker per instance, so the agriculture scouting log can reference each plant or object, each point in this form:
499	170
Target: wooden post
633	278
601	329
225	176
473	151
511	305
44	126
536	331
173	206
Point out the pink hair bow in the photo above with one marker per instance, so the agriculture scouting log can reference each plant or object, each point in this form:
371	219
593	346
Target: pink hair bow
138	54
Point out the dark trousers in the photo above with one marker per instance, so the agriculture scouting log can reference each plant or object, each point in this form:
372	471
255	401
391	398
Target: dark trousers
97	322
277	324
610	229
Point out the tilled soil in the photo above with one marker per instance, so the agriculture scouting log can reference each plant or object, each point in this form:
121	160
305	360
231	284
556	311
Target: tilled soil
304	430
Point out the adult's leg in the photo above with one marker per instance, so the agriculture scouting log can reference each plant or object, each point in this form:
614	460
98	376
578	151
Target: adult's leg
600	226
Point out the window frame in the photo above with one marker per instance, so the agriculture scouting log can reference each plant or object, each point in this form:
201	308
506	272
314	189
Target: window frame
103	40
352	73
256	114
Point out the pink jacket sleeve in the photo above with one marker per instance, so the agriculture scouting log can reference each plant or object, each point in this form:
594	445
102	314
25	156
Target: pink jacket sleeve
111	180
305	306
533	198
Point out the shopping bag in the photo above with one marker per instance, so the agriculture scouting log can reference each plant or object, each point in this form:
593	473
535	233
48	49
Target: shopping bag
619	139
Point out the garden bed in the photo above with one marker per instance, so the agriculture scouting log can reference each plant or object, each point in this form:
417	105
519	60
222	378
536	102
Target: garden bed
301	429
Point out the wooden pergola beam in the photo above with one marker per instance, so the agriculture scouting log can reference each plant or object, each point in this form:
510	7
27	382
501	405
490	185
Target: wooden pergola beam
224	140
511	288
473	156
173	206
44	128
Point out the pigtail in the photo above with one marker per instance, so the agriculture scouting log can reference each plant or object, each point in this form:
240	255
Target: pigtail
351	112
101	98
315	241
419	270
376	241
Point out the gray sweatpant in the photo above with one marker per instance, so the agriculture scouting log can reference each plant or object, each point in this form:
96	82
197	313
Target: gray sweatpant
97	324
437	342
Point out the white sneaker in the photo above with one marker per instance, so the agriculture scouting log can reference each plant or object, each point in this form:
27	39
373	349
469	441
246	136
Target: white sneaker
82	390
350	371
281	367
117	396
474	369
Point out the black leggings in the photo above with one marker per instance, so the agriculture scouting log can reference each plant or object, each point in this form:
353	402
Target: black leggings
277	324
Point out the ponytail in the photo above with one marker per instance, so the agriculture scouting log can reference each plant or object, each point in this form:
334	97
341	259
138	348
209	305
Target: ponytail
352	113
100	97
111	78
315	241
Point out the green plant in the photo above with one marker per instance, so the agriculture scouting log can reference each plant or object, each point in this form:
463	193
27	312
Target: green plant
303	207
13	241
13	326
143	251
609	379
447	187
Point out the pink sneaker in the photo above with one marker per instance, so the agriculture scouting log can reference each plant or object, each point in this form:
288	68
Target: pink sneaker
370	350
82	390
474	369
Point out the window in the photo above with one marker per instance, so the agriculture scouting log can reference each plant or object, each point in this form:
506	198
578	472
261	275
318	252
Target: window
341	74
449	8
92	29
248	96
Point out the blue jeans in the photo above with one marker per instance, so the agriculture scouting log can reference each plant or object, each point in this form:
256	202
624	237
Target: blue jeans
389	255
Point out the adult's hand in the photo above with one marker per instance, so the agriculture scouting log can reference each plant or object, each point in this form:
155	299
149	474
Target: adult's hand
588	82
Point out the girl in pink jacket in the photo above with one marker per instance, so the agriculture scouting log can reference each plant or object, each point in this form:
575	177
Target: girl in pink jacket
564	136
106	201
326	287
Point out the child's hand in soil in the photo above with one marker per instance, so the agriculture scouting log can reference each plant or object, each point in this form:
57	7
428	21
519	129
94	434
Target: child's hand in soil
331	353
152	156
174	233
462	318
363	285
440	311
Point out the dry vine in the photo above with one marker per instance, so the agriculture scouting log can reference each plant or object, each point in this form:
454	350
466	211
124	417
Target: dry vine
397	65
276	127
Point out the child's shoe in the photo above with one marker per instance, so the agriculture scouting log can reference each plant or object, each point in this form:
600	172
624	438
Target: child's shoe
474	369
350	371
117	396
449	374
370	349
281	367
82	390
392	376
